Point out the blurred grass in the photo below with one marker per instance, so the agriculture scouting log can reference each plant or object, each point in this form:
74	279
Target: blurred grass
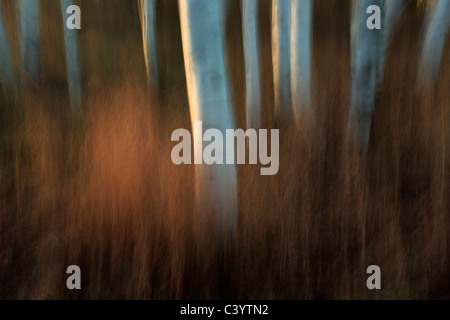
99	189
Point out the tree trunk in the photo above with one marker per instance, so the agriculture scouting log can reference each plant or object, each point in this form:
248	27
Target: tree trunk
281	56
203	48
365	48
7	77
73	68
301	56
437	28
147	11
250	32
30	38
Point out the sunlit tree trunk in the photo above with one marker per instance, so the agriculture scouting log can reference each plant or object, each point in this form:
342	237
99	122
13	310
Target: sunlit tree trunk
203	48
301	56
30	38
252	62
7	77
437	29
147	12
281	56
73	68
365	47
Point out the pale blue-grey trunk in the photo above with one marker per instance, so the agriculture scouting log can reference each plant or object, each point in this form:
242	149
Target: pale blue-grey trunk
147	11
203	48
301	56
437	29
365	48
30	38
369	50
7	77
250	32
226	18
281	56
72	63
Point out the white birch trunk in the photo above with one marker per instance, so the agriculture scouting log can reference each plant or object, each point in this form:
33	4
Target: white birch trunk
203	48
365	49
281	56
301	56
72	64
437	29
30	38
147	11
250	32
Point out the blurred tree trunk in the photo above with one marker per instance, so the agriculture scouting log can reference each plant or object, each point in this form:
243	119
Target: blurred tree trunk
301	56
30	38
281	56
203	48
72	63
250	30
369	50
147	12
365	49
437	28
7	77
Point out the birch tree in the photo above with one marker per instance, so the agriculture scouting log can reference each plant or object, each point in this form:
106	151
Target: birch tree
147	13
369	49
300	56
437	29
250	26
365	48
203	48
281	56
30	38
72	63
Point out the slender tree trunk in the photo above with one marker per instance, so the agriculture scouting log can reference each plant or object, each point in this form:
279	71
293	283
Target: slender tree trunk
365	47
301	56
250	28
30	38
437	29
203	48
73	68
281	56
147	11
7	77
